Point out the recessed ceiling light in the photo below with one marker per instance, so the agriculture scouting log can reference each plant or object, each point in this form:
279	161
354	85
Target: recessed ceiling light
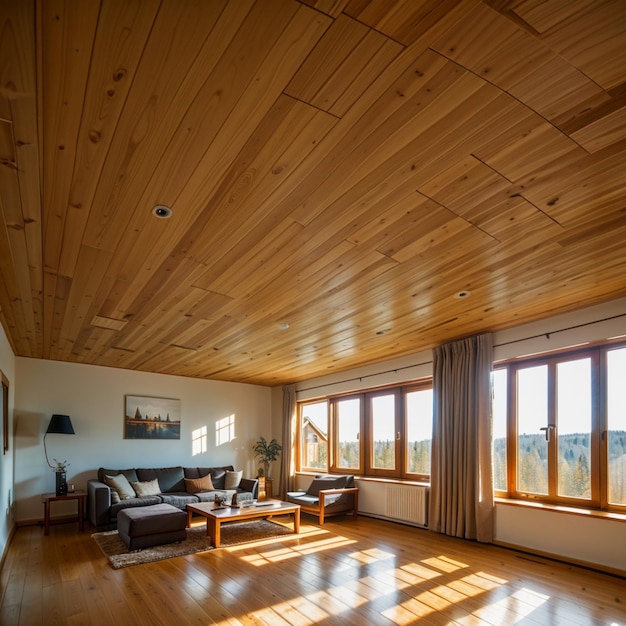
462	294
283	326
162	211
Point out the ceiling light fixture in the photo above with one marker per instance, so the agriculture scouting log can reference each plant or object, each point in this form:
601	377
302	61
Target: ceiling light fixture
162	211
283	326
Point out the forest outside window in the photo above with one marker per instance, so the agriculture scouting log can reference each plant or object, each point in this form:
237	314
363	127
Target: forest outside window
560	428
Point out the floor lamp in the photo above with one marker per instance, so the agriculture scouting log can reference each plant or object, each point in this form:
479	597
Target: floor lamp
62	425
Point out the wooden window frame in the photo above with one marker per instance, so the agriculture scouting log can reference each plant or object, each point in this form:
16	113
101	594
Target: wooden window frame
599	454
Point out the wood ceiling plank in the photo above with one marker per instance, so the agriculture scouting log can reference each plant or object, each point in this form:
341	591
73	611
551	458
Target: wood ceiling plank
159	101
544	15
558	91
66	41
328	57
525	147
386	144
286	136
333	8
403	20
119	42
603	132
19	172
594	40
503	176
251	106
507	52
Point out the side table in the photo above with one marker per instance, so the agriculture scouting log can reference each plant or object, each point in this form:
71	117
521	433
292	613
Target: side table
81	500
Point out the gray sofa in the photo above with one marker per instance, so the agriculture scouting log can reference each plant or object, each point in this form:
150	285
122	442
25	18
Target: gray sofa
105	504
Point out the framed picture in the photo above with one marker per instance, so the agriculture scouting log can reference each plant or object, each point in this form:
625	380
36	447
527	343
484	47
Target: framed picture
151	418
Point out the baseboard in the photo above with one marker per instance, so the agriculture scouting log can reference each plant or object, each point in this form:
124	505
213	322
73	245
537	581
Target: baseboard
604	569
6	545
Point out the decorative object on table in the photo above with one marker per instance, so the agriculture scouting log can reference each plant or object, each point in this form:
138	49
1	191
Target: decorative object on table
152	418
268	451
61	425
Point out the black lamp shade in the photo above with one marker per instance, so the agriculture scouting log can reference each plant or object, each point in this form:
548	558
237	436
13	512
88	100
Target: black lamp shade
61	424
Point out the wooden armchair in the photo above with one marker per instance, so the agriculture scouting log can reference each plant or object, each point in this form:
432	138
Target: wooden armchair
328	495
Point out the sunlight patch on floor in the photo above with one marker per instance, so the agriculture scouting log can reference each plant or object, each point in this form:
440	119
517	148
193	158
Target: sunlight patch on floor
371	556
513	608
444	563
292	551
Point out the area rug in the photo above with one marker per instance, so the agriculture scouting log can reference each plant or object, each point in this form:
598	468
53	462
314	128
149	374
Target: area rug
197	541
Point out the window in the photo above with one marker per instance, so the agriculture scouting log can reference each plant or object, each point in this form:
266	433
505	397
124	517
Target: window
314	436
564	438
385	432
347	449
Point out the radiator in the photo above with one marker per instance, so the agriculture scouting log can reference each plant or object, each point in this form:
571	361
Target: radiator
407	503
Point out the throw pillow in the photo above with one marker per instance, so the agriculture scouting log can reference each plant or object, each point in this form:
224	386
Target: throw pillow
146	488
199	485
232	479
120	485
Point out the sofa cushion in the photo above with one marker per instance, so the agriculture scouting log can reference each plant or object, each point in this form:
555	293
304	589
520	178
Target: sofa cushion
146	488
179	499
170	478
120	485
209	496
197	485
133	503
232	479
326	482
218	476
131	474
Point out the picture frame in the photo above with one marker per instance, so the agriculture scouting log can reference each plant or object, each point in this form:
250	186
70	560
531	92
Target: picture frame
147	417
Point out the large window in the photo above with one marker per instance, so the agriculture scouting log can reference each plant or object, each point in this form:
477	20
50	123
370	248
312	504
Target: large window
565	434
384	432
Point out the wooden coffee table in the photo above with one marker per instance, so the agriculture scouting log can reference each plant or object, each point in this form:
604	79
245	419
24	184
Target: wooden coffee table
217	515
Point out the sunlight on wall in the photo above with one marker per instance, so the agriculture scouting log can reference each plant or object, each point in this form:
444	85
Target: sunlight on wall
199	441
225	430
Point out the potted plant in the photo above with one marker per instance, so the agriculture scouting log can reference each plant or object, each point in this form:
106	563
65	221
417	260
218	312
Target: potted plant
268	451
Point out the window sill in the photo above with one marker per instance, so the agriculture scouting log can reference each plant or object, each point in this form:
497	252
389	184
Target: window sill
557	508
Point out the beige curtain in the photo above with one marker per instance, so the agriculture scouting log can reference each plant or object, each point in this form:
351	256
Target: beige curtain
287	466
461	492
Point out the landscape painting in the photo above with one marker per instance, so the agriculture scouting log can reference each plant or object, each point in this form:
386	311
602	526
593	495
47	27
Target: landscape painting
152	418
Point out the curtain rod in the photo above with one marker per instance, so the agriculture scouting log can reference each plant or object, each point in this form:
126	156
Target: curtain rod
499	345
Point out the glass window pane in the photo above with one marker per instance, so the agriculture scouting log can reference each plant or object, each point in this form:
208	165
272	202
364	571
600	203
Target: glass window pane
573	397
532	415
383	422
616	409
419	430
348	415
314	436
498	449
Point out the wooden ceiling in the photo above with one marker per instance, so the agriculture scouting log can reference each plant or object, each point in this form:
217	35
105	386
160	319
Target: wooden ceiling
343	167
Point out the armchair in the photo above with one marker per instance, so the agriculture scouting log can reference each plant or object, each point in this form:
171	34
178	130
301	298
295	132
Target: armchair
328	495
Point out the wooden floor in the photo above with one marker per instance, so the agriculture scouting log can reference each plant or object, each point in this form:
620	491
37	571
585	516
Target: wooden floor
346	572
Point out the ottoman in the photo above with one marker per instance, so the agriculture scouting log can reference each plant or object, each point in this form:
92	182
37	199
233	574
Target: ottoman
146	526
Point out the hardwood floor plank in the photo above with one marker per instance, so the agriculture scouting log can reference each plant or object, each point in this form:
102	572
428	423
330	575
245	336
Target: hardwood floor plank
348	571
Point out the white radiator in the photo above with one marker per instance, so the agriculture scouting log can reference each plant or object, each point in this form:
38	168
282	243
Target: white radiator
407	503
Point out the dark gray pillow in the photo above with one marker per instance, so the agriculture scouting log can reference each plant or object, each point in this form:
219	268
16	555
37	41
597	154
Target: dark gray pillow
336	482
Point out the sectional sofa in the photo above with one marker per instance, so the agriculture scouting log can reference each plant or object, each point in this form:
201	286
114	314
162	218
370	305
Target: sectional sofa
117	489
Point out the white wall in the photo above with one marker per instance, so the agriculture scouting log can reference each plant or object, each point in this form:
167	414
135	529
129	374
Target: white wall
588	539
93	397
7	365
